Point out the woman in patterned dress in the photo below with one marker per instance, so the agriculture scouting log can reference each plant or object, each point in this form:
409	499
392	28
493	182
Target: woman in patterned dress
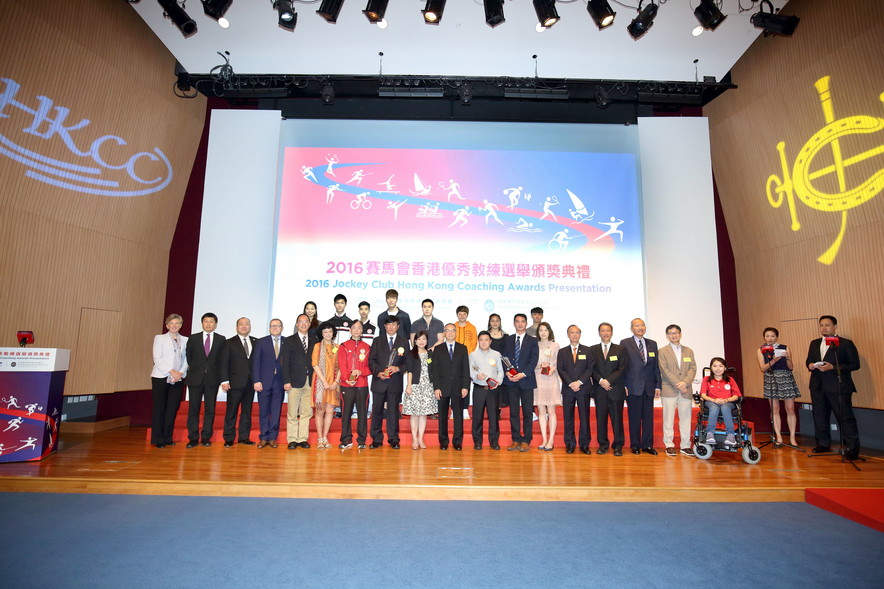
548	393
326	382
419	400
775	361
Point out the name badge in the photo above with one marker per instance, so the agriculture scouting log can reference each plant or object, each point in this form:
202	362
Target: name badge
652	354
581	356
686	359
612	358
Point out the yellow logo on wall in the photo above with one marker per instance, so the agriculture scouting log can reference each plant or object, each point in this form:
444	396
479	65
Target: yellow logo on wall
799	181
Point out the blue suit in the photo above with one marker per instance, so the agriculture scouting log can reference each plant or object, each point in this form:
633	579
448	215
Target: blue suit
267	370
642	380
522	392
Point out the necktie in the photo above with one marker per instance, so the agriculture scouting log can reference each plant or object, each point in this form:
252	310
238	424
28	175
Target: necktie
276	346
518	348
451	351
245	346
641	351
574	354
606	351
304	343
208	345
391	343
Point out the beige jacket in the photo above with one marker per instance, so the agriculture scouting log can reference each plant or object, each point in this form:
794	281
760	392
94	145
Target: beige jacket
671	373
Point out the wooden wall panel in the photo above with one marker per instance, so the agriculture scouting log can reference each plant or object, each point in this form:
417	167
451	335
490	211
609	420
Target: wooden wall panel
65	250
97	352
781	281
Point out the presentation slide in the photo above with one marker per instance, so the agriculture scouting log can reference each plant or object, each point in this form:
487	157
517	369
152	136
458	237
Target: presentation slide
499	230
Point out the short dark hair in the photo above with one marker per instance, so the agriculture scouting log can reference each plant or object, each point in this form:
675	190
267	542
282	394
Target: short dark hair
428	301
830	318
484	332
391	319
209	316
775	331
363	304
603	323
522	315
537	310
340	297
391	293
462	308
673	326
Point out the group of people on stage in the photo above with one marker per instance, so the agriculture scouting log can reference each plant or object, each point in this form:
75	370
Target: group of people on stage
430	368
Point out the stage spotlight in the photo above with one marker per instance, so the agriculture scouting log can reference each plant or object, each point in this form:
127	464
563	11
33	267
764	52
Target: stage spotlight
216	9
327	94
374	10
546	13
466	94
643	22
494	13
330	9
288	18
773	24
173	11
708	15
601	13
433	11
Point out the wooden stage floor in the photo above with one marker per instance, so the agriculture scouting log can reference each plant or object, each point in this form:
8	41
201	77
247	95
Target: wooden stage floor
121	461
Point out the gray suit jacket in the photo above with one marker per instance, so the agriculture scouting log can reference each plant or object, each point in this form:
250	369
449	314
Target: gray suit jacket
671	374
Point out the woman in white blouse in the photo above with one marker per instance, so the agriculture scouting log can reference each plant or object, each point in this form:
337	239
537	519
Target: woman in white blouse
169	370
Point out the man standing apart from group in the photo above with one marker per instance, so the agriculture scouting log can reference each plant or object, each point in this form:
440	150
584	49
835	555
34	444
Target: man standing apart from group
297	378
353	363
236	367
609	368
450	372
831	361
522	351
385	360
267	372
575	366
205	351
642	387
678	367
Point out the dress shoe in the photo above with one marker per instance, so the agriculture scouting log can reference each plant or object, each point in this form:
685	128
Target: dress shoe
636	451
477	447
192	444
443	447
513	447
651	451
304	445
170	443
395	446
618	451
294	445
246	442
375	445
458	447
495	446
524	447
262	444
346	446
584	449
228	444
601	451
361	446
273	444
820	449
160	445
206	443
569	449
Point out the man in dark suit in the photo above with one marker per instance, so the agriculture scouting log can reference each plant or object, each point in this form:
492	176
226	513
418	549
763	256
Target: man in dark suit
575	366
831	360
295	359
609	367
450	372
643	383
204	352
236	374
267	374
522	351
386	361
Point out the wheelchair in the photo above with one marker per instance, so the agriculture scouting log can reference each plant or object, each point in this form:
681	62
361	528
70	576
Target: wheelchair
742	432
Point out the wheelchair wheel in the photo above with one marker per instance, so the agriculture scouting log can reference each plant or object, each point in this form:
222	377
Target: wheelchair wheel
702	451
751	454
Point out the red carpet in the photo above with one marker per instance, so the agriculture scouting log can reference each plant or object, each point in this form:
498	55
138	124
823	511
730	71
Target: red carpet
864	506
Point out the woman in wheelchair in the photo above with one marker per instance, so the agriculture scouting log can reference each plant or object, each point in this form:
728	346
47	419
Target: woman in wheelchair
719	392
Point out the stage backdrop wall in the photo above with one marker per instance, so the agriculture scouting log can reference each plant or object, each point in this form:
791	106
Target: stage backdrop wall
95	153
798	156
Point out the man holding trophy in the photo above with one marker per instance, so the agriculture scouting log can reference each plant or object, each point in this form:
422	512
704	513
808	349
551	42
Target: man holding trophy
486	372
353	363
386	359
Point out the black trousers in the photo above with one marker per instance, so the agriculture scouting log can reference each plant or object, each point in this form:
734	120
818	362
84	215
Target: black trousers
824	404
485	402
521	428
239	400
380	413
641	420
609	405
209	393
354	396
456	403
166	401
581	399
